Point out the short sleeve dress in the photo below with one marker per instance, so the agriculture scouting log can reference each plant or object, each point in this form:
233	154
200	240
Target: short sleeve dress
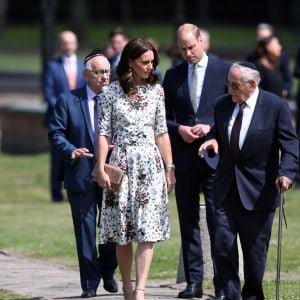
138	212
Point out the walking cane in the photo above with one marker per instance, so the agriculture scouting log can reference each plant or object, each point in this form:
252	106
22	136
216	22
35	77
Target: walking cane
281	214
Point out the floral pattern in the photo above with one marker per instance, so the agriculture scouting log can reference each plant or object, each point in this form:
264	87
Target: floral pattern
138	212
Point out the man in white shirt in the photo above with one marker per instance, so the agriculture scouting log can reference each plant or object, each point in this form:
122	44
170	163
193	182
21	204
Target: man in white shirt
257	163
191	89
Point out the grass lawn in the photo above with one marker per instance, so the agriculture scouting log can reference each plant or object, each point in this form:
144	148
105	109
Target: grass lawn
31	225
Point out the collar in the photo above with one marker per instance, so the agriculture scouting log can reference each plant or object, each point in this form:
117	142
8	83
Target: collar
201	63
251	101
73	57
90	94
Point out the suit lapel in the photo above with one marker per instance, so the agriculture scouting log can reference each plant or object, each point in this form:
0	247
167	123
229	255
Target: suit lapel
226	116
86	112
62	71
207	81
79	69
185	86
257	118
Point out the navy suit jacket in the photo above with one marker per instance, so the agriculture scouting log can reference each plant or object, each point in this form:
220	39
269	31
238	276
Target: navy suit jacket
259	164
55	82
70	128
179	109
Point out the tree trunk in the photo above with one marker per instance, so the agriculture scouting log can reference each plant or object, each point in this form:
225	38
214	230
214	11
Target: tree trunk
78	18
3	10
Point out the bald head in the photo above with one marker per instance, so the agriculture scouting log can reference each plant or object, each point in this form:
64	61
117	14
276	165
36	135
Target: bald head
68	42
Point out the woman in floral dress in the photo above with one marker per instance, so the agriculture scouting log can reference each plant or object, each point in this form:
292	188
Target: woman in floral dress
132	111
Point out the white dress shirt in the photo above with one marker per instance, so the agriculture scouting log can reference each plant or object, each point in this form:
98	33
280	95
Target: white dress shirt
201	68
247	117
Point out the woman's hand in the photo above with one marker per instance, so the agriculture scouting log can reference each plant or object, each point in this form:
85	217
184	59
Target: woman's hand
103	180
170	177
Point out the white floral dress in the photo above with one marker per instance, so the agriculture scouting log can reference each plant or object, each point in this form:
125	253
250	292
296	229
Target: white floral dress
138	212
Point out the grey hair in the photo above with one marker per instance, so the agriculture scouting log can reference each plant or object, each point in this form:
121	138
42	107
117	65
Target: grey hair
248	73
87	66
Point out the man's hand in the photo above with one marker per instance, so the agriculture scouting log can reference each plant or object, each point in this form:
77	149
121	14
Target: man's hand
201	130
209	145
186	132
283	184
80	152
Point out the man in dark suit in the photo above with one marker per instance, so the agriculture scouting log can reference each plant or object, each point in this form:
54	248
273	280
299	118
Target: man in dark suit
190	92
73	133
61	74
118	41
259	154
297	115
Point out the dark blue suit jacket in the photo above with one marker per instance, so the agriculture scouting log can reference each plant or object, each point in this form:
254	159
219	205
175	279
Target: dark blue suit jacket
71	114
55	82
179	109
258	165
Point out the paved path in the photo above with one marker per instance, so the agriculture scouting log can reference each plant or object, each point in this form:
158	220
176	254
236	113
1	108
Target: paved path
41	280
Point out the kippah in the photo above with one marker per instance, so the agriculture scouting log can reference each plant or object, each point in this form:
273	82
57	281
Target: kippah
92	55
247	64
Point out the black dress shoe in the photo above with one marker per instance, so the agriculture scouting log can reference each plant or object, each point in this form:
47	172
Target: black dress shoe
193	290
88	294
221	298
110	285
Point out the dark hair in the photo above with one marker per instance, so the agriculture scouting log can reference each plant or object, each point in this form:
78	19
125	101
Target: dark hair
133	50
262	51
116	31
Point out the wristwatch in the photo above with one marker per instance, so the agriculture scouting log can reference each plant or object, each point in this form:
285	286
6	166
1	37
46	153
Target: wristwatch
170	166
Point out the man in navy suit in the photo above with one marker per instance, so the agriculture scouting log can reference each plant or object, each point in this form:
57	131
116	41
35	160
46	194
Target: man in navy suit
72	132
257	162
61	74
118	41
189	108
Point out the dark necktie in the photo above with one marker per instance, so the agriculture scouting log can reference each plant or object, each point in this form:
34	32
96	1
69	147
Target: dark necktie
96	127
235	132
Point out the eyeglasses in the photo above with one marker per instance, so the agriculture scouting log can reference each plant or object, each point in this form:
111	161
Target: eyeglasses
235	85
100	73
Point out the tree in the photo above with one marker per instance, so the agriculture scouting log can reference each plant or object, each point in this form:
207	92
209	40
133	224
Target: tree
3	10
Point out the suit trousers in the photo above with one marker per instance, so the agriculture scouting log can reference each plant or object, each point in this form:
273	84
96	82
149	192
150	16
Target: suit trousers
254	230
56	175
188	187
84	207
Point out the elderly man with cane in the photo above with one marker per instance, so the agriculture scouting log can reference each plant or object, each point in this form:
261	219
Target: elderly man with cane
259	153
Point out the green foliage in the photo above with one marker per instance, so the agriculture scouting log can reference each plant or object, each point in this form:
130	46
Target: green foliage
288	289
21	44
32	225
5	295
